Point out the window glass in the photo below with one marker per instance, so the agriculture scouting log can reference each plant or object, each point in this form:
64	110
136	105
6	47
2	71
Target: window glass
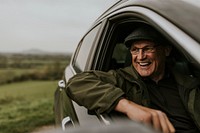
85	48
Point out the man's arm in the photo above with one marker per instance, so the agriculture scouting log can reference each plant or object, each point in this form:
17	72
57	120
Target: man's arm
95	90
145	115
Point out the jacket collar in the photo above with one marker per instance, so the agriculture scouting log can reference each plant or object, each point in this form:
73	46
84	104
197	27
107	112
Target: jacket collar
130	73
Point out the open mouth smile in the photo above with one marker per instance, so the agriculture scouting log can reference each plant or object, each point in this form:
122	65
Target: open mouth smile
144	64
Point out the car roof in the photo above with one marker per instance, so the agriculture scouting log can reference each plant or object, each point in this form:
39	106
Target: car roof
181	13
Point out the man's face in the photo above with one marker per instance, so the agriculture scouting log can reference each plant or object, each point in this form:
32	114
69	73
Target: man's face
148	58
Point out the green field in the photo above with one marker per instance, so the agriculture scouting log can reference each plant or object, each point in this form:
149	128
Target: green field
26	105
27	85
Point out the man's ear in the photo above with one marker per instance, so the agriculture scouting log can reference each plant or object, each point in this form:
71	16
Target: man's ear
168	50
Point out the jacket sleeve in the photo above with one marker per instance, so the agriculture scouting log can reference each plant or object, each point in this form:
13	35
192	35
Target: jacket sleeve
97	91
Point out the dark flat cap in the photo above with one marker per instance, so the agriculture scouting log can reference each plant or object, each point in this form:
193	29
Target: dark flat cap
143	33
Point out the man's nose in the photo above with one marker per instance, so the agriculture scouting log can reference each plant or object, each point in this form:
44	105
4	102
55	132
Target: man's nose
141	54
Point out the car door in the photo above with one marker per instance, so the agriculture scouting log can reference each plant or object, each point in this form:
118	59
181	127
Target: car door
68	113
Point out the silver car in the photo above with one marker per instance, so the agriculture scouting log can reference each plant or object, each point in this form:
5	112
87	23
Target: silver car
101	48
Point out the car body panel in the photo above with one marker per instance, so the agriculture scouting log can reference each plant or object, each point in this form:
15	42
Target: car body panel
172	10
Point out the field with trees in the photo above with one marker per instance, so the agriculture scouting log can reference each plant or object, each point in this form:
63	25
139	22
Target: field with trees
27	85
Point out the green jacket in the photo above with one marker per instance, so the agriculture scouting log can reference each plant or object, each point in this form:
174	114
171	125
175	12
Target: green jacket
100	91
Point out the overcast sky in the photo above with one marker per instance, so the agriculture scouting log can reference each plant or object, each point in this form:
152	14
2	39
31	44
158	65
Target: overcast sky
50	25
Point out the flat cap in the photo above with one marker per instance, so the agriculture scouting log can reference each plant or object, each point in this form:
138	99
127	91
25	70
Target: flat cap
143	33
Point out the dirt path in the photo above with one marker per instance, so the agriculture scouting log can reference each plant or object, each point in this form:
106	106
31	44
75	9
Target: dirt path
44	129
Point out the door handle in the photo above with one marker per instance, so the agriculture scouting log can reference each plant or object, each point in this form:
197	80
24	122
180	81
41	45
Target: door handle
67	122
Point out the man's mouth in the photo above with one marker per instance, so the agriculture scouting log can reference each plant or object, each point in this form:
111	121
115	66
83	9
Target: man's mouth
144	64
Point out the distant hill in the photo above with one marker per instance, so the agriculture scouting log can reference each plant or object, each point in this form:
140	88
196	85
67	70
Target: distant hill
41	52
34	51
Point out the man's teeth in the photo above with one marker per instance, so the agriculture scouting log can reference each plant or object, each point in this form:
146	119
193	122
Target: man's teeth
144	63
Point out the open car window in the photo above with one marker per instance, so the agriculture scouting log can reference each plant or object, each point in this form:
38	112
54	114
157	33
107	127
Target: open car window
118	56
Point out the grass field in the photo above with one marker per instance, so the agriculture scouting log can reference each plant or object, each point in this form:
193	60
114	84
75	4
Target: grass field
26	105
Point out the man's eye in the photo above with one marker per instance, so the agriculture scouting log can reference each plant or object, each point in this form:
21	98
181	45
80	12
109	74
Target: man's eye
134	49
148	48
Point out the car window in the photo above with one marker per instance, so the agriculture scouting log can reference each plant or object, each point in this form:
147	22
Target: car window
118	56
84	49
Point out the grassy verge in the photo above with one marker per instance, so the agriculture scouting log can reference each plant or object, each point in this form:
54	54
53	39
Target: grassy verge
26	106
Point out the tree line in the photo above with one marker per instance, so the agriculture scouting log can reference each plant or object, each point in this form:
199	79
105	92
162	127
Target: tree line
20	67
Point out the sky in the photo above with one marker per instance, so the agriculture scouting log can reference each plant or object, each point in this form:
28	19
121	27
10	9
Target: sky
48	25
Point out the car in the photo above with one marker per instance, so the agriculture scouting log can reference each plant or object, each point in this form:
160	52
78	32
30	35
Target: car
102	47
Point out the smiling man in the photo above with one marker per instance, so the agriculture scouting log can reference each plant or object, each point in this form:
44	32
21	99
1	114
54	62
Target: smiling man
149	91
149	51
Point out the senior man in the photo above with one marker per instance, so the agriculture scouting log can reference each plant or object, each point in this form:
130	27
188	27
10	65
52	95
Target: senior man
149	91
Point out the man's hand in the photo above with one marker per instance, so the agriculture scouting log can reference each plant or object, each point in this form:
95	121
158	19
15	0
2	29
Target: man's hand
139	113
